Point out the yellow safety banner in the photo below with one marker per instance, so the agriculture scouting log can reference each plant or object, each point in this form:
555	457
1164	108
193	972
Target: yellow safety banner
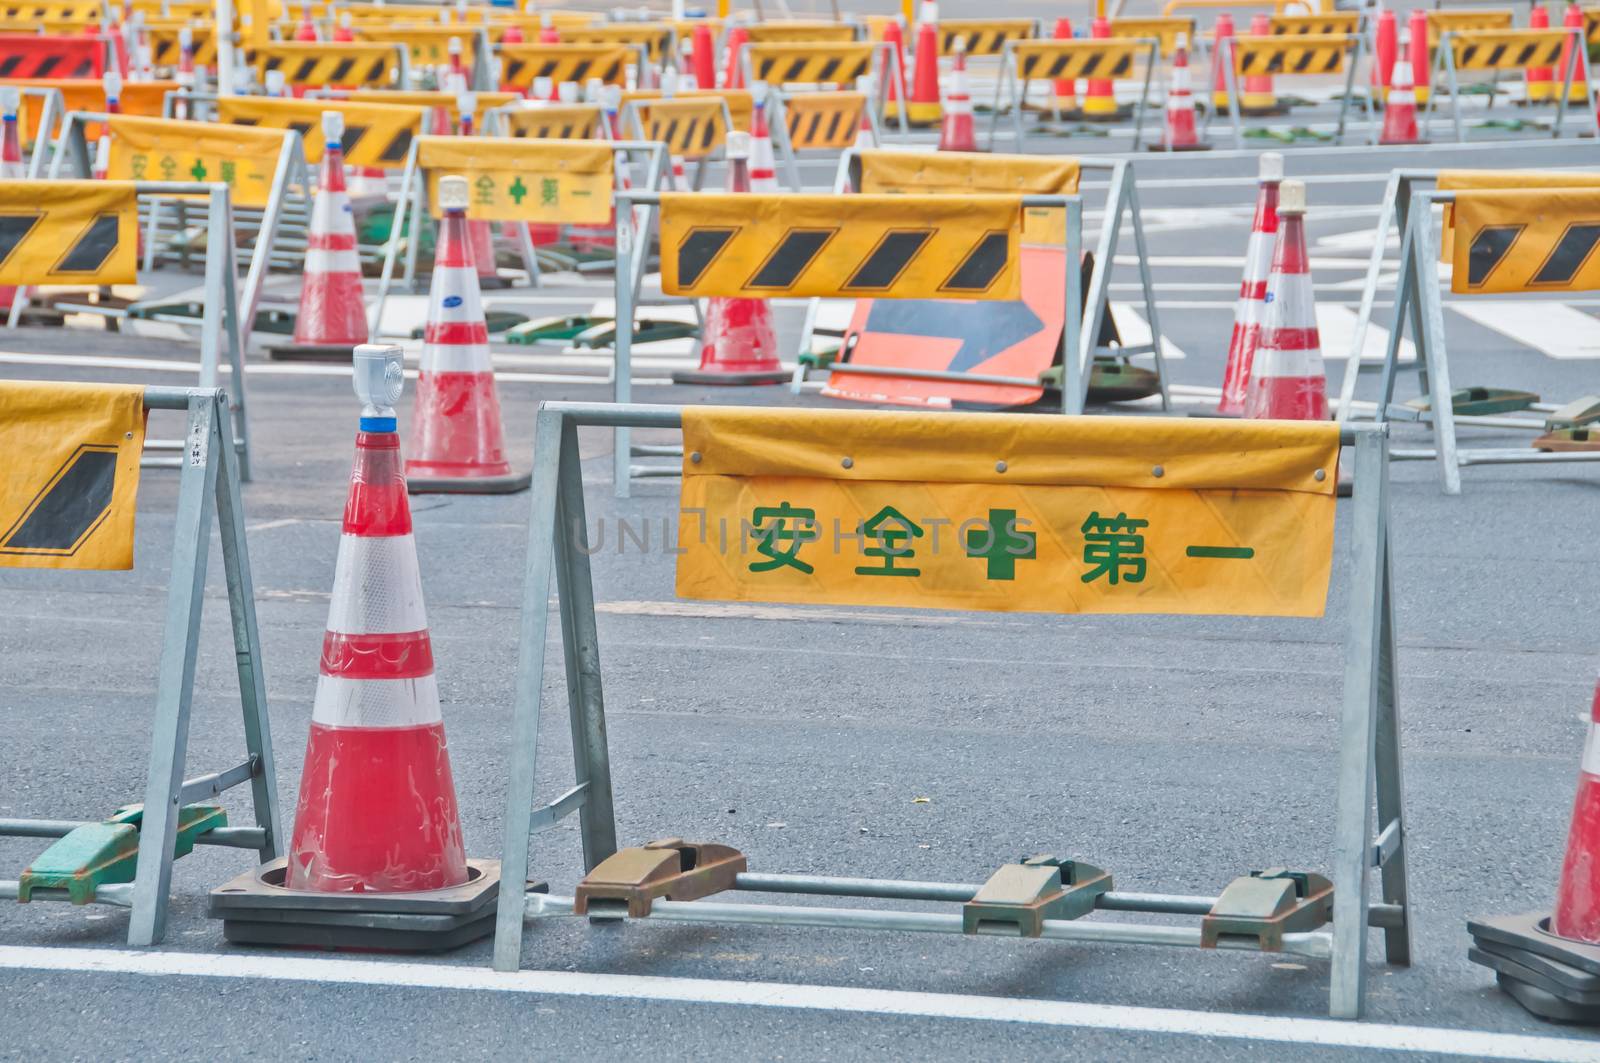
564	62
1042	513
886	247
426	45
68	232
800	32
1110	58
308	64
70	483
551	121
78	13
962	173
691	127
170	149
567	181
1164	28
1455	21
656	37
375	134
983	36
811	63
166	43
1507	49
741	104
1326	24
827	121
1526	240
1462	180
1306	54
87	94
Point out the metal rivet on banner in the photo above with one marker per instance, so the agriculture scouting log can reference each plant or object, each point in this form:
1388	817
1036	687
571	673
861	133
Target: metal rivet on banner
847	462
1158	472
1320	475
695	457
999	466
127	435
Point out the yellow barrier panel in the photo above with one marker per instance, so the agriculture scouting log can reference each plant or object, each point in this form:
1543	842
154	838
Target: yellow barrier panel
657	37
810	63
1113	58
578	121
889	247
88	94
962	173
1507	49
540	181
165	44
375	134
70	481
426	45
431	100
1163	29
1052	514
169	149
78	12
741	105
1459	180
1307	54
308	65
691	127
564	62
823	120
1526	240
798	32
1455	21
983	36
68	232
1315	25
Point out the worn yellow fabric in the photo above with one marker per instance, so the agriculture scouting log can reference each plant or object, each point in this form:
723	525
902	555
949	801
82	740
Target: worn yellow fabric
823	120
70	481
550	121
1526	240
962	174
1507	49
524	180
68	232
811	62
1027	513
375	134
169	149
890	247
1459	180
741	104
692	127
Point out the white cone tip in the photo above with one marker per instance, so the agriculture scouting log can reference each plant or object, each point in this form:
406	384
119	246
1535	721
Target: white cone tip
113	85
453	193
542	87
1400	78
1292	197
185	37
276	82
332	125
738	145
102	155
611	97
379	376
758	92
10	100
1271	166
567	92
1181	43
454	46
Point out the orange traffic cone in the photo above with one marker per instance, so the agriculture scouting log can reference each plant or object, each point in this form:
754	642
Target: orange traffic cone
1179	134
922	109
1577	911
703	58
332	318
897	94
737	343
460	444
763	162
1247	312
377	810
733	70
1400	113
1540	79
1287	379
1221	54
1385	51
956	132
1257	94
1421	57
1065	90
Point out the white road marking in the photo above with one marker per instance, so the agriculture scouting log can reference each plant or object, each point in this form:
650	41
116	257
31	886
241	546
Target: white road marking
847	999
1233	262
1135	330
1553	329
1336	327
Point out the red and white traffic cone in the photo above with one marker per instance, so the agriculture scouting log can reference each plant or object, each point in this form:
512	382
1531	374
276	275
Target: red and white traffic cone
1099	94
763	162
1258	95
548	33
733	69
344	32
479	232
512	34
184	75
275	84
377	810
1179	133
1247	312
1541	86
866	137
1221	55
1064	91
459	445
1572	19
737	343
453	50
1421	56
1385	52
703	57
1577	911
956	131
1400	113
922	108
332	318
306	31
1287	378
897	94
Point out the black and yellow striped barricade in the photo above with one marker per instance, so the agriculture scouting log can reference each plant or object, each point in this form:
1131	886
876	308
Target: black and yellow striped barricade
741	103
983	36
1008	334
522	64
79	13
1110	58
1505	232
537	120
824	123
692	128
429	46
801	31
1164	28
317	65
658	39
1475	51
1321	25
1448	19
1292	55
825	65
166	49
967	512
376	135
68	499
433	100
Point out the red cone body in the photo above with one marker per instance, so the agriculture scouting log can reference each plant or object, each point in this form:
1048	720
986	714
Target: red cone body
733	71
1179	133
1287	379
1256	89
1247	313
1417	49
1099	95
1065	89
897	77
763	161
956	131
1577	912
1540	79
1572	19
923	106
332	312
548	34
704	59
1400	114
307	30
343	33
377	810
479	232
1385	50
1219	58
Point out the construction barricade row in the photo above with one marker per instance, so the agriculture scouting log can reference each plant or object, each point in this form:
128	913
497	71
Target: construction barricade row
522	64
551	121
1564	50
1106	59
315	65
1302	54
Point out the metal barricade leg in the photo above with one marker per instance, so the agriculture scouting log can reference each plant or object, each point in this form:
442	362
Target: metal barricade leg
1430	343
1390	786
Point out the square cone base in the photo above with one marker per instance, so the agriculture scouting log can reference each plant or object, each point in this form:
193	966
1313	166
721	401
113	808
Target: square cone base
1121	113
256	909
766	376
1551	977
468	485
311	352
1191	147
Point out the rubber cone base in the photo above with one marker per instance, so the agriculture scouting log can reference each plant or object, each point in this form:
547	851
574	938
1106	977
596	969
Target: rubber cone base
1551	977
1191	147
1122	112
767	376
923	114
311	352
468	485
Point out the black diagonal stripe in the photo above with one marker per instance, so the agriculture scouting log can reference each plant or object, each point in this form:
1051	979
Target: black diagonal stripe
84	69
709	136
396	149
341	71
795	69
764	68
697	251
273	62
1304	60
888	260
352	137
1525	54
794	125
91	250
303	73
580	70
1091	63
671	132
828	68
850	76
257	121
982	265
612	72
66	510
796	251
1059	66
547	69
1123	64
1489	247
1335	57
1577	243
1494	55
949	42
14	228
973	40
377	73
1468	54
162	46
833	127
303	128
513	68
46	65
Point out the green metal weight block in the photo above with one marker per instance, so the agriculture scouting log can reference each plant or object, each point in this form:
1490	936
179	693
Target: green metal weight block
1481	402
646	330
100	854
551	329
1018	898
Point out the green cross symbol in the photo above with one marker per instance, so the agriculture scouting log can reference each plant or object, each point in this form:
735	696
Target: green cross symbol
1000	546
198	171
517	190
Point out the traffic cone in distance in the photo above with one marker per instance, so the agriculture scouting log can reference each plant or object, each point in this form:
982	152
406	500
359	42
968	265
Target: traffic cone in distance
1385	49
1400	114
1287	378
1179	132
512	34
956	130
332	318
307	30
737	344
1219	59
1421	57
1248	311
1540	79
547	30
344	32
1577	912
377	811
703	58
1065	90
459	441
479	232
922	109
896	96
1572	19
111	83
763	161
733	70
1258	96
1099	94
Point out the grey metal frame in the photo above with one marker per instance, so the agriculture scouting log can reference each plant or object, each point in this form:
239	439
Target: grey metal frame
50	112
1444	61
210	478
783	145
1009	78
1355	48
1122	199
888	64
1369	763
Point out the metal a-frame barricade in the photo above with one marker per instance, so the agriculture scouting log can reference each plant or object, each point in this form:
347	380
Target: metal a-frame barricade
810	65
829	141
1419	305
421	41
1307	53
52	108
1111	58
1368	756
1122	203
209	480
712	141
1498	50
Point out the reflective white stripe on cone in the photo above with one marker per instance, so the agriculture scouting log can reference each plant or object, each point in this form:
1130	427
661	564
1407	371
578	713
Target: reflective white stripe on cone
956	129
1287	379
1577	912
332	319
1400	113
763	162
1247	312
1179	133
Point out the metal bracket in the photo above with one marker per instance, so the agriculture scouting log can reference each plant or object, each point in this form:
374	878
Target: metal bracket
1020	897
1267	904
627	881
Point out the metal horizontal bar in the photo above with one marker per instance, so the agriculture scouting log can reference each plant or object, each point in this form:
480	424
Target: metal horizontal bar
234	837
657	450
953	892
1491	456
1387	842
40	828
662	471
164	398
934	374
215	783
559	809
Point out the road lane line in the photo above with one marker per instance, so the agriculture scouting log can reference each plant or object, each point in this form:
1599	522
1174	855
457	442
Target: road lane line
1556	330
